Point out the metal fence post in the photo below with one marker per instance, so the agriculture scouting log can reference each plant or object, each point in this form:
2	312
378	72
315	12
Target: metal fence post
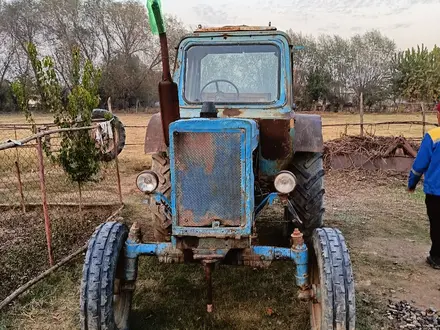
44	200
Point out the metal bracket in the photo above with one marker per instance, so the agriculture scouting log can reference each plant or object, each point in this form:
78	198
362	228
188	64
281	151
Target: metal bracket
269	199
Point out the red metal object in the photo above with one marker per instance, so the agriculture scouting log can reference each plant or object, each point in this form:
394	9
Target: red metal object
44	200
297	237
168	91
208	266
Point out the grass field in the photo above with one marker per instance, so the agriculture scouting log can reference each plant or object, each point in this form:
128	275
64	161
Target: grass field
385	228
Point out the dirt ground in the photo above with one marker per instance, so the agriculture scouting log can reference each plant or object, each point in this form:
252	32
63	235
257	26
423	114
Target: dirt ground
386	230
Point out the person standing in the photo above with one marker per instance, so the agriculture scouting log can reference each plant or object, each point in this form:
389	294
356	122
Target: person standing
427	163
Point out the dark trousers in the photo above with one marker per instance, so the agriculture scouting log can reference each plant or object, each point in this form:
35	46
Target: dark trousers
433	208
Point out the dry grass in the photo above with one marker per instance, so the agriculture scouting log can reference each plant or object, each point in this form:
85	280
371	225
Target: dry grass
414	131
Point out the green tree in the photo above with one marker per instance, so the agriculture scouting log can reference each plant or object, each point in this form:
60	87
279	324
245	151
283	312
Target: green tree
417	74
78	155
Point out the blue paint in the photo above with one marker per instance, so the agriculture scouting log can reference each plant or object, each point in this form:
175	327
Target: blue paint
299	255
133	250
197	178
268	167
162	199
278	109
269	199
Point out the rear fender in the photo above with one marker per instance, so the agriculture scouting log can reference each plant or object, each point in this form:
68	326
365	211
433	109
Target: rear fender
308	133
154	139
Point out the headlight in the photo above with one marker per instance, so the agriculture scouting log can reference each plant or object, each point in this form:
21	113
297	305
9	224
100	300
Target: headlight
147	181
285	182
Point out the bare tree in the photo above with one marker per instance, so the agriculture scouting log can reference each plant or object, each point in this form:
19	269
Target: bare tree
8	47
371	68
65	26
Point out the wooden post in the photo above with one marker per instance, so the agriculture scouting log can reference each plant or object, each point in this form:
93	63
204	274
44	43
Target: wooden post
80	201
361	111
118	176
44	200
423	119
109	104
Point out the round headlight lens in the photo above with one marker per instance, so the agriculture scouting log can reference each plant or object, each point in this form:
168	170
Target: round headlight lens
147	181
285	182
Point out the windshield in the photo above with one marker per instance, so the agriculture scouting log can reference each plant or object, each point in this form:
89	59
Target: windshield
232	74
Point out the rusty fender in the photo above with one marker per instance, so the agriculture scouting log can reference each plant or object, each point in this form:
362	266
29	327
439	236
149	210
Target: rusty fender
154	139
308	133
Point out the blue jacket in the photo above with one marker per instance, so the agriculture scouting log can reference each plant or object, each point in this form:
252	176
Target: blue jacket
427	163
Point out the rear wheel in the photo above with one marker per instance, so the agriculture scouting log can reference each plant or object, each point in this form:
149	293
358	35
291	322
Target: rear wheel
161	224
105	296
308	196
331	278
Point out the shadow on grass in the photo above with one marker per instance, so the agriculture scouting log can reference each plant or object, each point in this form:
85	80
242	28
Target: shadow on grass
174	297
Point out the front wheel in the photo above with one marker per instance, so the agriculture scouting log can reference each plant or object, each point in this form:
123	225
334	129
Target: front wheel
105	296
331	277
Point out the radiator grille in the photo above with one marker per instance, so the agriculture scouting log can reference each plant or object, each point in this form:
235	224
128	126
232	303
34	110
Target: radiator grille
208	178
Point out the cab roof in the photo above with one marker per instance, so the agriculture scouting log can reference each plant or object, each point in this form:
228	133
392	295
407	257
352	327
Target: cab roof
234	28
238	30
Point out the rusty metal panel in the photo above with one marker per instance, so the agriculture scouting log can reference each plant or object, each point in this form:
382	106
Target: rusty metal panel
275	139
399	164
235	28
308	133
154	139
208	178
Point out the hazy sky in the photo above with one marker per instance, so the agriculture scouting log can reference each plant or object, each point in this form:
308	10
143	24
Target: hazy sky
408	22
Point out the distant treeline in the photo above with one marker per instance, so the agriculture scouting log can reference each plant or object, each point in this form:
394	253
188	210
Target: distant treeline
330	71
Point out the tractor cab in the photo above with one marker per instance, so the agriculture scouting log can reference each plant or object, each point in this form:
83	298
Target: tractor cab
245	71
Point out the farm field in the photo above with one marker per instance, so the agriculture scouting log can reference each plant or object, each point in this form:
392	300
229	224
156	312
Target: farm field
386	230
133	155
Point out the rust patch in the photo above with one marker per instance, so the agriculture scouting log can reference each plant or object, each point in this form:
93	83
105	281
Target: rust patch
154	139
235	28
275	139
186	218
230	112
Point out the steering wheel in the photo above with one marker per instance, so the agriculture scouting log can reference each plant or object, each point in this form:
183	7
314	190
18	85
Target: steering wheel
218	92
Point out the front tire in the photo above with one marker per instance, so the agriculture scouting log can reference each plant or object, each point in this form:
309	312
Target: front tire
105	299
331	278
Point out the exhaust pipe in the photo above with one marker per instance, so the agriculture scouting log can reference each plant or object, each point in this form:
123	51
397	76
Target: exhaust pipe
168	91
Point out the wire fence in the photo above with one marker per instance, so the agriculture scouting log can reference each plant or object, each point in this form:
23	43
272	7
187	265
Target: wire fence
44	216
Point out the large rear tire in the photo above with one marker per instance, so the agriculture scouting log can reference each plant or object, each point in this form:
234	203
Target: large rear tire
308	196
161	224
331	276
105	300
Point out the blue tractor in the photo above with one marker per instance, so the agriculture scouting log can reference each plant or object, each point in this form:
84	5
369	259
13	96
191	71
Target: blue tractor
226	144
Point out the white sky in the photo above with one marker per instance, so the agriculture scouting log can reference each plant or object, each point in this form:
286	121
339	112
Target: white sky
408	22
